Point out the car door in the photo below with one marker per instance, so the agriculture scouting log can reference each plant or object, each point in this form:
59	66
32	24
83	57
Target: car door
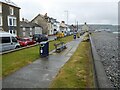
13	42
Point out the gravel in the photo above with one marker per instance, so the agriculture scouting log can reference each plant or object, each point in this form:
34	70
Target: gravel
106	44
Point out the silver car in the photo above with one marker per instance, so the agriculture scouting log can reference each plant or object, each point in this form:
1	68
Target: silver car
8	42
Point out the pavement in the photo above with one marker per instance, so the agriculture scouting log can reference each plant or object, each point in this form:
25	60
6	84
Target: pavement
41	72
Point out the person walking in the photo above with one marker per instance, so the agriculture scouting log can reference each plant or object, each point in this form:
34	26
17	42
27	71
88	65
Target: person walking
74	36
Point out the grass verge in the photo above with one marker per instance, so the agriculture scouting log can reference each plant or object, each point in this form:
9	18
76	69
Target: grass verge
78	71
13	61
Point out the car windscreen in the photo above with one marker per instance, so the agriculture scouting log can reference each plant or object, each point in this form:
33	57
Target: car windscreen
37	35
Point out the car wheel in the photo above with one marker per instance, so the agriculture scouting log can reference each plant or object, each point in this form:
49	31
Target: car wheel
17	47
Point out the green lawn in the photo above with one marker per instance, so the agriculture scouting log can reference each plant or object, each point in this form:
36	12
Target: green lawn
78	71
16	60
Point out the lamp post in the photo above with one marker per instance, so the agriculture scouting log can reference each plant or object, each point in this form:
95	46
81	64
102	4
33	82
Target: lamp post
77	25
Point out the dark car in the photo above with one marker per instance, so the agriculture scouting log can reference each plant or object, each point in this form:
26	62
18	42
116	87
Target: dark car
40	37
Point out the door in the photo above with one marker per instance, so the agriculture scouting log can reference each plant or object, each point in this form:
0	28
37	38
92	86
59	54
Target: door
13	42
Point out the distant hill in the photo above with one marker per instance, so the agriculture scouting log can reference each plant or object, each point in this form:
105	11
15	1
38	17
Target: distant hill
100	26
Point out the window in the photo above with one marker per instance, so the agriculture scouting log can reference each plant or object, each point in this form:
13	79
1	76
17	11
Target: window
5	39
12	21
0	8
30	33
23	29
11	31
11	10
23	33
0	20
14	32
14	39
30	29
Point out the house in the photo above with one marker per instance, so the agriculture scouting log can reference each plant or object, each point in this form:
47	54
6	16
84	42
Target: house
28	29
85	27
56	27
9	17
63	26
53	26
49	24
40	20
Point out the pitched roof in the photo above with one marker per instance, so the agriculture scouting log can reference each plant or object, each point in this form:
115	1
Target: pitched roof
37	16
28	24
62	24
34	25
9	2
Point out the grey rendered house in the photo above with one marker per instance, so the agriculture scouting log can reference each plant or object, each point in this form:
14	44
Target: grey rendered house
28	29
9	17
40	20
49	24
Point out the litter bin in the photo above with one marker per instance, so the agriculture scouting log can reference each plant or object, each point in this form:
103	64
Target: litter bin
44	49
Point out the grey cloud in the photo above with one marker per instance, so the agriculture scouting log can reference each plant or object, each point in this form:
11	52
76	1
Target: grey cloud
92	12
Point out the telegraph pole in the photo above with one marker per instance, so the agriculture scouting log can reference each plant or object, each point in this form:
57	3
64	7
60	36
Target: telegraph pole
77	25
67	15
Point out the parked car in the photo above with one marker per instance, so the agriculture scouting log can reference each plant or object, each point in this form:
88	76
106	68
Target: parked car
40	37
60	35
22	42
71	33
68	33
29	41
8	41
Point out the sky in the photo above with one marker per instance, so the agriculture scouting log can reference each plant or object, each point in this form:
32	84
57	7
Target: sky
90	11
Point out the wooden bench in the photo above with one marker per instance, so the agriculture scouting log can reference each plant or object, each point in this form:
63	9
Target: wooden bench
60	47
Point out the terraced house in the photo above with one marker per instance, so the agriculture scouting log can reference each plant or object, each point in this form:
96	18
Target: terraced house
9	17
49	24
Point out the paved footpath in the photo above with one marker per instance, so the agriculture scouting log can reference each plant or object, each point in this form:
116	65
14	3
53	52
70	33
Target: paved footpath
41	72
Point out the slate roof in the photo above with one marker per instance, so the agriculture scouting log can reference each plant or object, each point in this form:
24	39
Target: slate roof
9	2
24	24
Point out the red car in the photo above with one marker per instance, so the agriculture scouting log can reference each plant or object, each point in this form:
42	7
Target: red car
30	41
22	42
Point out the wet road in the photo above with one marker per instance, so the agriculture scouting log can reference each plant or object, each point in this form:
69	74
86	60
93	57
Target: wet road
40	73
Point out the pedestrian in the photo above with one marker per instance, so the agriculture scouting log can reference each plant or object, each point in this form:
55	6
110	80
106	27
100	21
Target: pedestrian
74	36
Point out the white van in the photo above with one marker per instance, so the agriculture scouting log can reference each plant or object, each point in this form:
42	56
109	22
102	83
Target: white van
8	41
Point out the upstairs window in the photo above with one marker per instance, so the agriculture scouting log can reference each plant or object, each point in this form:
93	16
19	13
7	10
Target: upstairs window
11	11
12	21
0	8
0	20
